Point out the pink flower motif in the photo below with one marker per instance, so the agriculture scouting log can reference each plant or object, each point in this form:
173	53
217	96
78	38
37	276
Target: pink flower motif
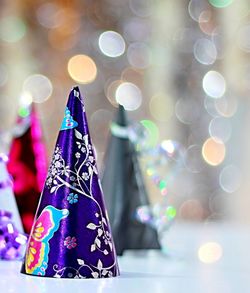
70	242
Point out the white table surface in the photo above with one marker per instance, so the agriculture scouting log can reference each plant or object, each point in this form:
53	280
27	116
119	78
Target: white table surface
180	271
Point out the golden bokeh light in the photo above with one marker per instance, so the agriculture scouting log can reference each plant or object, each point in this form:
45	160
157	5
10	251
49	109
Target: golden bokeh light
191	209
210	252
133	75
213	151
110	91
82	69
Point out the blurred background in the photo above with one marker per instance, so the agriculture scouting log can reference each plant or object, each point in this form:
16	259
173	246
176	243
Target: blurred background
180	68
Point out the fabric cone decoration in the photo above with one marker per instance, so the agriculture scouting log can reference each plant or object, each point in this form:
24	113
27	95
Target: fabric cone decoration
7	197
71	236
27	165
125	191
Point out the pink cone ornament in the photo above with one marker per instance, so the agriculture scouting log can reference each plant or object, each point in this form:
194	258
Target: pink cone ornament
27	165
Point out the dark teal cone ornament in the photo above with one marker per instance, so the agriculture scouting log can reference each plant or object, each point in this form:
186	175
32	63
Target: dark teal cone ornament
125	191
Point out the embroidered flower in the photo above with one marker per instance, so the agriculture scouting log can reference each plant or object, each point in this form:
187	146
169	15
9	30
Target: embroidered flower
85	175
70	242
56	167
72	198
57	150
91	159
58	164
53	171
49	181
78	155
57	156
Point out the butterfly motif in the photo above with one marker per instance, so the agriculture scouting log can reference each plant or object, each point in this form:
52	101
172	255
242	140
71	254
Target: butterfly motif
68	121
46	225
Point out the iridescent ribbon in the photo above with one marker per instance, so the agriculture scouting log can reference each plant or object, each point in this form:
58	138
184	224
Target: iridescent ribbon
12	242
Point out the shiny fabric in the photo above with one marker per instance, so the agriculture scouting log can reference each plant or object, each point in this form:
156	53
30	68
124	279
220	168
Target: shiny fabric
28	166
71	236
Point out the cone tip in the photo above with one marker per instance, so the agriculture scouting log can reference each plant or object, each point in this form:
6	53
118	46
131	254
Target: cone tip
75	88
121	118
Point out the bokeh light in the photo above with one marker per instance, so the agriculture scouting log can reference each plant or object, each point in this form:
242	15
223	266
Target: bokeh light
207	23
191	209
139	55
26	99
152	132
220	128
193	159
46	15
168	145
214	84
226	106
163	187
110	91
209	105
217	38
205	51
111	44
210	252
161	107
196	7
143	214
12	29
220	3
136	29
133	75
82	69
23	112
39	87
218	201
171	212
142	8
129	95
230	178
186	110
213	151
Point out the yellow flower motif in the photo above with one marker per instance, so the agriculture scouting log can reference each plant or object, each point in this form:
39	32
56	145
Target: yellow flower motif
30	255
38	231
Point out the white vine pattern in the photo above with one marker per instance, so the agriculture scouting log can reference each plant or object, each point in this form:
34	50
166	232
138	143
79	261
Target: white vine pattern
79	178
98	271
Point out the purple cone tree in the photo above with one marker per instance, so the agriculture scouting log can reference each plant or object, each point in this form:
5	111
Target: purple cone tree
71	235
